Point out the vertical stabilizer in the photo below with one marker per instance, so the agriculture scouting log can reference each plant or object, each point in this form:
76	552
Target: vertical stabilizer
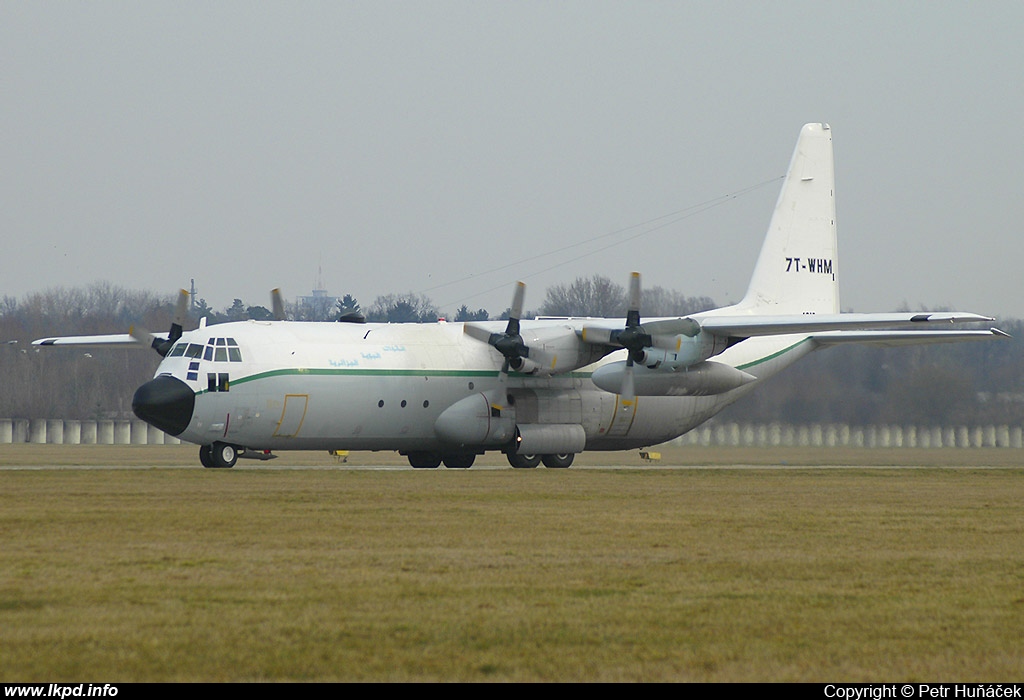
797	270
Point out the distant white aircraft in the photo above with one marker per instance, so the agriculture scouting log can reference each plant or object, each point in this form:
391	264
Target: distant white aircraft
537	390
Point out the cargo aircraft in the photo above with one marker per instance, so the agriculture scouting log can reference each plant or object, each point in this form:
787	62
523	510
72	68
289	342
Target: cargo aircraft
540	390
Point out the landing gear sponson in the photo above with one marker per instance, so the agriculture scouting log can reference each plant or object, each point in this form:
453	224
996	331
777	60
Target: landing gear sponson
459	460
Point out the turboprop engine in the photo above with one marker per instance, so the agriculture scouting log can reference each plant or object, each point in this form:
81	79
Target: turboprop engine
557	349
701	379
687	351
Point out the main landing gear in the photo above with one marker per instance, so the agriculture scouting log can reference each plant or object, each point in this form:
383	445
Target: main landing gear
219	455
531	461
432	460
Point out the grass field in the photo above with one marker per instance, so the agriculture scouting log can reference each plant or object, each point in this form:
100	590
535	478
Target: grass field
769	573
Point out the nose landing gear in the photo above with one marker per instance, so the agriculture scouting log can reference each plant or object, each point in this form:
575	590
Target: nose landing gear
219	455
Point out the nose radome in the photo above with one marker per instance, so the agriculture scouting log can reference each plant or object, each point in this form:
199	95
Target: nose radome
166	403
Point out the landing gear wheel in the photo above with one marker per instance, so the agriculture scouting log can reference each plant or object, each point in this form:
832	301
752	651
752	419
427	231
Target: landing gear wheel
206	456
223	455
424	460
523	461
458	460
558	461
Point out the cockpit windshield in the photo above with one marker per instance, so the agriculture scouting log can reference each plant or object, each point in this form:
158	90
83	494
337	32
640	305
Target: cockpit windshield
215	350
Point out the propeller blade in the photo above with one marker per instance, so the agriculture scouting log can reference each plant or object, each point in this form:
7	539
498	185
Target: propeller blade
178	322
477	333
277	304
144	336
515	312
633	313
628	386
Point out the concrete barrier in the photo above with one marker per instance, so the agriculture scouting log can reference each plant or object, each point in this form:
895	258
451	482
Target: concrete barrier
72	432
55	432
728	434
122	432
139	431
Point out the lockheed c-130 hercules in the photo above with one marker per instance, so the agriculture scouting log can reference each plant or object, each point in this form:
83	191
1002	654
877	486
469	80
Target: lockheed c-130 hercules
537	390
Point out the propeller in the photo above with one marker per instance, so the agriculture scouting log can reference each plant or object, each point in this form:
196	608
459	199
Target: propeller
633	337
636	337
163	345
510	343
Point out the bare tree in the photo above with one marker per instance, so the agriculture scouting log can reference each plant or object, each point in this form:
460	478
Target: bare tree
587	296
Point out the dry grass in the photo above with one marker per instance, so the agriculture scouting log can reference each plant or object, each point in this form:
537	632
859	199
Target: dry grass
768	574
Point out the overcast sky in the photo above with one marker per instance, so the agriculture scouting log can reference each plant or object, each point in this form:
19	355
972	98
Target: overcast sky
451	148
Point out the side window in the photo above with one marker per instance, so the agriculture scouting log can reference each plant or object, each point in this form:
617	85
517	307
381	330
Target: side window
217	382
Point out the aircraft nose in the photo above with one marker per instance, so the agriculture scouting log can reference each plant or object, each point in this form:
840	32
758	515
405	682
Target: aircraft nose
166	403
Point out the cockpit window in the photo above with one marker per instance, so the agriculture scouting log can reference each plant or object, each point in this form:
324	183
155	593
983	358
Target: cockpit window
194	350
178	350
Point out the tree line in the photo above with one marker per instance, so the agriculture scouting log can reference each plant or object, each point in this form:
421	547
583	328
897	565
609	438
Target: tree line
974	383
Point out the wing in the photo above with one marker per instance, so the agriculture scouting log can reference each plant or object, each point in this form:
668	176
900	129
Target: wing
135	337
754	325
94	341
895	338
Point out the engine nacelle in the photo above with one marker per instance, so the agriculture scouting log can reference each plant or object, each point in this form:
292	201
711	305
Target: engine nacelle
702	379
557	349
683	351
476	422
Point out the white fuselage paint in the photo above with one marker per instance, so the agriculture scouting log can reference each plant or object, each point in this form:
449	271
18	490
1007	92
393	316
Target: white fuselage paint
340	386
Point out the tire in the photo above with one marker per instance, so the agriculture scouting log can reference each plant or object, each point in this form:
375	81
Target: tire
223	455
458	460
523	461
558	461
206	456
424	460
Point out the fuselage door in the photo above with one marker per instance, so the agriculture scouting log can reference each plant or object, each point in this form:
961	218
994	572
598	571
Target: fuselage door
292	416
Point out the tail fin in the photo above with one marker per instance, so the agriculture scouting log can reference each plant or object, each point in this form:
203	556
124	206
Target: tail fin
797	272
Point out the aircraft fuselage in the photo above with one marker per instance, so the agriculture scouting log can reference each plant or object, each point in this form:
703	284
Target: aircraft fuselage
337	386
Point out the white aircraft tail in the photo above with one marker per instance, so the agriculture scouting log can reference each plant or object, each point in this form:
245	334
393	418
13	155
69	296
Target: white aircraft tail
797	270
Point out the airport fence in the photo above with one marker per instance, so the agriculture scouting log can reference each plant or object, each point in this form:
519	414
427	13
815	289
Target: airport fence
136	432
